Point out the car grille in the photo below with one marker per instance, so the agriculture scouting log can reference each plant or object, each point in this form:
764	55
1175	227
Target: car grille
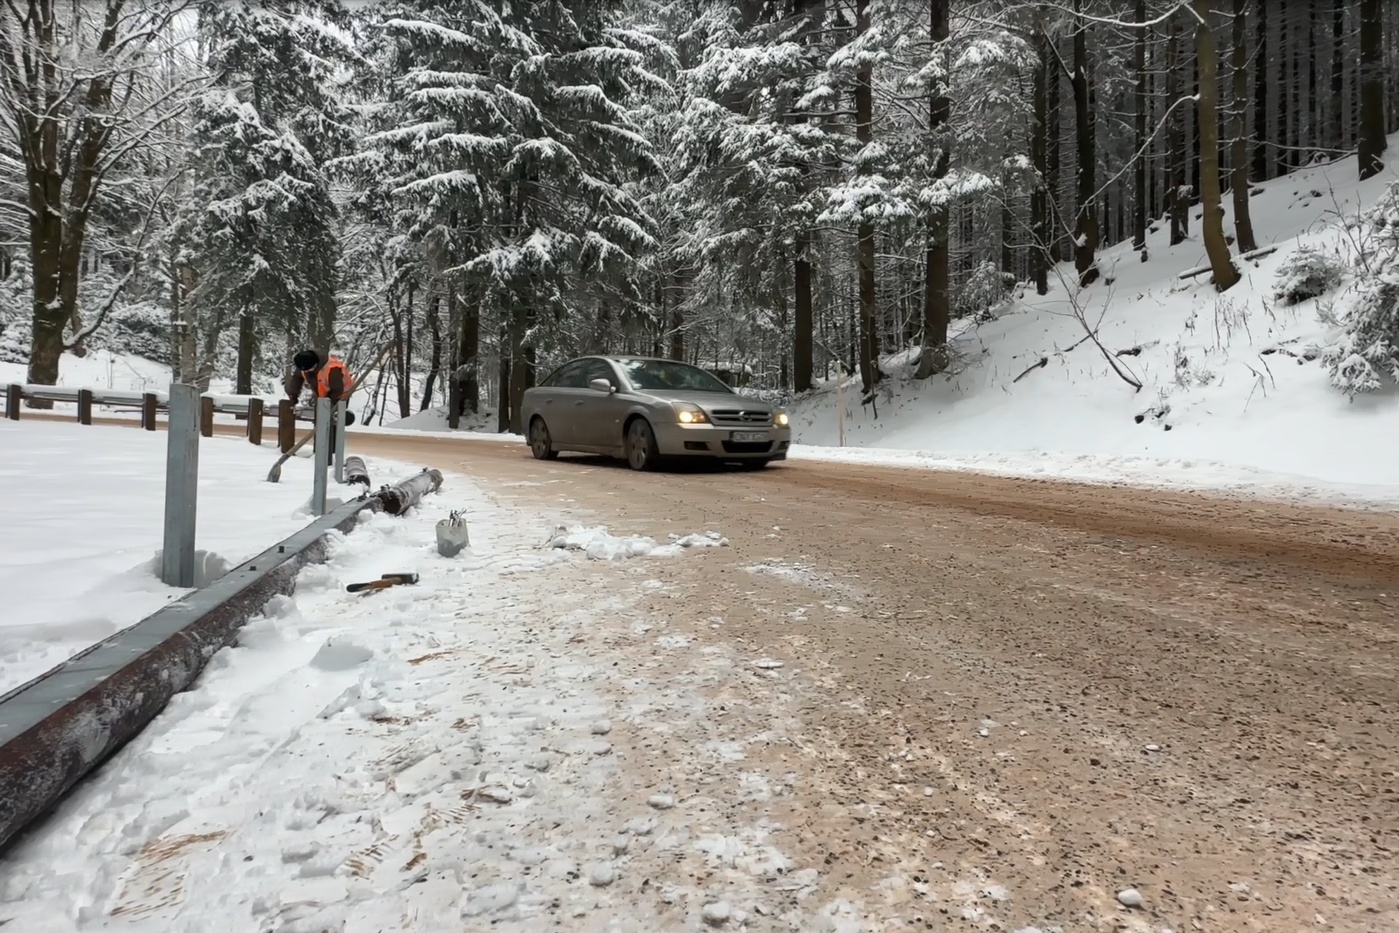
746	419
730	447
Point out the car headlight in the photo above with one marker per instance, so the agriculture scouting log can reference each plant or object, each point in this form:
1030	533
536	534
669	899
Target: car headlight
780	419
691	415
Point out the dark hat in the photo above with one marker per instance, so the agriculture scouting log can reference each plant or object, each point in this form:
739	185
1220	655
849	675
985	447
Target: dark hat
306	359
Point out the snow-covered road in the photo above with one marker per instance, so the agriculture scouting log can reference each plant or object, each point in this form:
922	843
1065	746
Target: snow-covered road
434	757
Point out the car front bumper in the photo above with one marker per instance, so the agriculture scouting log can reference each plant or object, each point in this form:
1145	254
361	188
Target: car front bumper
707	440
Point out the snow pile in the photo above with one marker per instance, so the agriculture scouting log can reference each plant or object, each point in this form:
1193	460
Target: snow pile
82	537
597	543
1235	389
435	420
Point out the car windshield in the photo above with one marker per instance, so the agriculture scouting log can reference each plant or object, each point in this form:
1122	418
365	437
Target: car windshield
669	376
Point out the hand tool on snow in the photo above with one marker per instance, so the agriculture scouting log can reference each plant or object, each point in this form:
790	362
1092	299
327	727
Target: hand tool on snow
383	583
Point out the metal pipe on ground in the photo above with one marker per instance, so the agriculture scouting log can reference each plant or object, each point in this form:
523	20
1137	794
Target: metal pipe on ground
402	496
356	471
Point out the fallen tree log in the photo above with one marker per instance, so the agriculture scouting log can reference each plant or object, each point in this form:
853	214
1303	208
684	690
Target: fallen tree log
402	496
1245	257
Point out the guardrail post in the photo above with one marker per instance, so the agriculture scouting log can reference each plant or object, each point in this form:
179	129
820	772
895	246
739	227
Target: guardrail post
181	486
84	406
255	421
13	396
320	456
149	406
206	416
286	424
340	441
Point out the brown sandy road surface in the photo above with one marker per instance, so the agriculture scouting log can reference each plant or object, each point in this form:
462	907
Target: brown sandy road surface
1046	691
1002	701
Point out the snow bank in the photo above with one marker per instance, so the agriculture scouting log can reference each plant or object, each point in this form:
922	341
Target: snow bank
435	420
1233	395
83	523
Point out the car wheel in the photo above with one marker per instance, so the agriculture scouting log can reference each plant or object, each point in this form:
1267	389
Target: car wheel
642	453
540	443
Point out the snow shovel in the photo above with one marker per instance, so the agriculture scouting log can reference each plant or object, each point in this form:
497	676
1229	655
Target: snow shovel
383	583
275	474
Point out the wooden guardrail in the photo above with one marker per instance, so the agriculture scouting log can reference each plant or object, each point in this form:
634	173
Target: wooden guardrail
251	408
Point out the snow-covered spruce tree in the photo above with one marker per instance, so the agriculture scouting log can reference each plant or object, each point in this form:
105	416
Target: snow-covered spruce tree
1368	349
260	241
509	135
752	153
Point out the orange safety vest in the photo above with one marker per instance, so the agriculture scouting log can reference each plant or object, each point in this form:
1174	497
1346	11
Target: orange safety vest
323	377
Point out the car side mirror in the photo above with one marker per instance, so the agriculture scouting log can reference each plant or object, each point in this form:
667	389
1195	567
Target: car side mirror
601	385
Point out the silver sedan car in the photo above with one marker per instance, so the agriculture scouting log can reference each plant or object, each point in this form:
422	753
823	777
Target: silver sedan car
645	410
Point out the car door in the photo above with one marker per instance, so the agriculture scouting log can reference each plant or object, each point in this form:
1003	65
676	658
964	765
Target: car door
556	403
600	413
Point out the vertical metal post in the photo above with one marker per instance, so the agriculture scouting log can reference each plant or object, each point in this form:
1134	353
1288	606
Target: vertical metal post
181	486
340	441
320	456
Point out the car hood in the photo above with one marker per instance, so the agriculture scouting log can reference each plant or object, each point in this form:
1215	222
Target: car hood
708	400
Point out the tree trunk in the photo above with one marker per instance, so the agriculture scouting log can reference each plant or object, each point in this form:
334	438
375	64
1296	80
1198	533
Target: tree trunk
434	323
1053	160
677	321
502	418
864	133
802	337
405	354
519	365
1086	229
1370	135
1207	118
470	343
247	344
45	246
1040	258
1243	220
1336	124
1260	94
1139	135
936	310
1175	145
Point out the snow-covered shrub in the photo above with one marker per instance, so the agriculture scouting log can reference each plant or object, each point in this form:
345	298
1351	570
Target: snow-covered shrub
140	328
1306	274
985	289
1368	348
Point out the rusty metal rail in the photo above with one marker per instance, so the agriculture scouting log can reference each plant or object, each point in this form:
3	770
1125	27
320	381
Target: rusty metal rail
60	726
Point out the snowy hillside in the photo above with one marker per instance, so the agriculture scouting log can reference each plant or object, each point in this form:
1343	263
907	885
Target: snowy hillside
1226	378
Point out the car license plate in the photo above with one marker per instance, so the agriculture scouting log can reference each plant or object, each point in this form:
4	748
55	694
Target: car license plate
748	437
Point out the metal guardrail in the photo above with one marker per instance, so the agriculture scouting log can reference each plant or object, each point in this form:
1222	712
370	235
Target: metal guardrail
254	409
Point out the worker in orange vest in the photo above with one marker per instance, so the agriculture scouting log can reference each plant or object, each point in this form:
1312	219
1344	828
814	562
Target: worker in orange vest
328	376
